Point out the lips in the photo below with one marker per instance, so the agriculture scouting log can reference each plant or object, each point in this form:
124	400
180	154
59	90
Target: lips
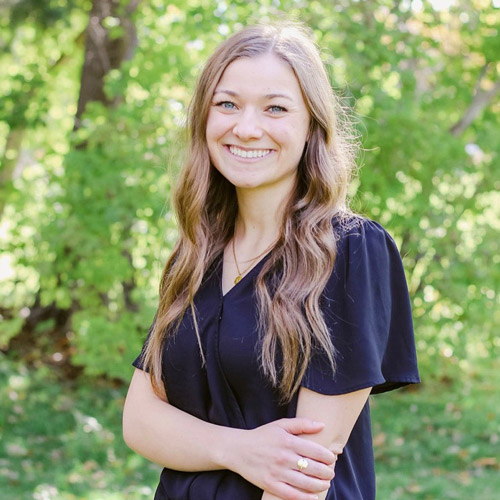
249	153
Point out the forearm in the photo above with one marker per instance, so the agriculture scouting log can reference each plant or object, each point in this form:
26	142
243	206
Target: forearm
339	413
264	456
173	438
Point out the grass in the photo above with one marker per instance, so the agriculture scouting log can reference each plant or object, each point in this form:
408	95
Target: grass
63	441
440	442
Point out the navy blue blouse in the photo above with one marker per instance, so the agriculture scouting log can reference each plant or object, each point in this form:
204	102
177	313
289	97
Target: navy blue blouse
367	310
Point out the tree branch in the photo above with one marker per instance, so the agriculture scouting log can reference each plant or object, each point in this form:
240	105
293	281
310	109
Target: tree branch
480	101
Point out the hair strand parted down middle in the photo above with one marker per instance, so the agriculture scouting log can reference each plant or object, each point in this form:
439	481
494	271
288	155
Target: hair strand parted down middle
292	279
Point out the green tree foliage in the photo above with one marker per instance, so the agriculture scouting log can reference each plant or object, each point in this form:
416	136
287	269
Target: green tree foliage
86	221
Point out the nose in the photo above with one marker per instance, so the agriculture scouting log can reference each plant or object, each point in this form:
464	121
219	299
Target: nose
247	126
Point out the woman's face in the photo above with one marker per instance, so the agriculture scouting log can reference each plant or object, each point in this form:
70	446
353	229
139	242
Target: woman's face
258	124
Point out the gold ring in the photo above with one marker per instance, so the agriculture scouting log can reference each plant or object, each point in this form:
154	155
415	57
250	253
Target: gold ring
302	464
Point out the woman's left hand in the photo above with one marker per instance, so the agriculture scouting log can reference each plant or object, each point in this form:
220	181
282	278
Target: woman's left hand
268	457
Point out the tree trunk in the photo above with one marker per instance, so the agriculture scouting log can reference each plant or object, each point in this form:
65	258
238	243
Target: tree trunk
9	162
104	52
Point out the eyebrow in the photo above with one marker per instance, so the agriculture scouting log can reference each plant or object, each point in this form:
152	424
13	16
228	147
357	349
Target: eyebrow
267	96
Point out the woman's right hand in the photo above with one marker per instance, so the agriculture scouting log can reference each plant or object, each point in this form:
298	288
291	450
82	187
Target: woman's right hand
267	457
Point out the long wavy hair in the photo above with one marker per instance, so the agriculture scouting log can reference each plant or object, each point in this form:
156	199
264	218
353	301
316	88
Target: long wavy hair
290	283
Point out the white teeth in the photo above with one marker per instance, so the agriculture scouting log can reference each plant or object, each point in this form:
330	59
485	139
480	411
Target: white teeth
254	153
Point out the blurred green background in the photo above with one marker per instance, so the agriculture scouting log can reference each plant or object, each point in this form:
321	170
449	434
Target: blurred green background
92	103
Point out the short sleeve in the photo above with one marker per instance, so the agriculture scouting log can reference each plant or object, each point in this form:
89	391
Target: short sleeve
366	307
139	361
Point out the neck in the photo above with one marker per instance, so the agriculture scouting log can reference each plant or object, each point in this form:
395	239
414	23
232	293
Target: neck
259	217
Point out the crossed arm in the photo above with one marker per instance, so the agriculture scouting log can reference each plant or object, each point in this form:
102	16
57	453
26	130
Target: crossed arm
266	456
338	413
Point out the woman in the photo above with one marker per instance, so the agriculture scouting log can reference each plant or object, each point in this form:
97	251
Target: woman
280	312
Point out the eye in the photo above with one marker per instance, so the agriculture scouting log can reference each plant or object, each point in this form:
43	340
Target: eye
226	105
275	109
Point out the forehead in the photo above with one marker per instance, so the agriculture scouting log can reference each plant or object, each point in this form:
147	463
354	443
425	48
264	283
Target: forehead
264	74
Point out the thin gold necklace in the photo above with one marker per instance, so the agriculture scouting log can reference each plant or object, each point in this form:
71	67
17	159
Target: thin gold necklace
241	274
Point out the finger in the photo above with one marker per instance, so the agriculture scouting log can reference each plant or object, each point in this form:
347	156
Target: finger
306	483
286	491
314	451
301	425
336	448
315	469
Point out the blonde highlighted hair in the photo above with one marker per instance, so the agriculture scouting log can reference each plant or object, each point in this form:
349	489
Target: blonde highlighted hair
291	281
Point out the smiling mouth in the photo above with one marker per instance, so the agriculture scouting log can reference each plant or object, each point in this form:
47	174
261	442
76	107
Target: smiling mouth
249	153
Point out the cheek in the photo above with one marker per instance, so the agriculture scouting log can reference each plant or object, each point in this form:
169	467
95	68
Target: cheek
213	153
294	140
293	133
212	134
216	127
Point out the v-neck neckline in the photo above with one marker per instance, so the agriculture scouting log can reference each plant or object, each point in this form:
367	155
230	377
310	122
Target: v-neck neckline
243	278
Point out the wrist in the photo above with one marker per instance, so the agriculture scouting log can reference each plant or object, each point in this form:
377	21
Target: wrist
227	442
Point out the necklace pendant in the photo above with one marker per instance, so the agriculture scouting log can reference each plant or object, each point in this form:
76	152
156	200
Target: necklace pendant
237	279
